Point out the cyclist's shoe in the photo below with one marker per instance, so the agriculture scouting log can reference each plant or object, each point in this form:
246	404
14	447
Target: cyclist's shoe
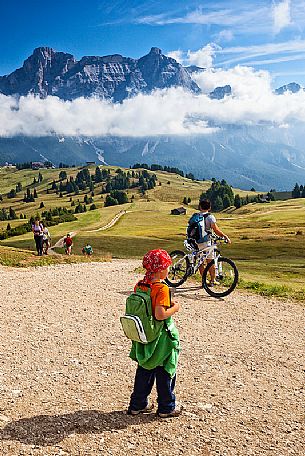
147	409
212	283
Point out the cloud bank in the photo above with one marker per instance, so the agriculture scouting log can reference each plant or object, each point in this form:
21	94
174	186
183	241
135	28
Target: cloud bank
281	15
164	112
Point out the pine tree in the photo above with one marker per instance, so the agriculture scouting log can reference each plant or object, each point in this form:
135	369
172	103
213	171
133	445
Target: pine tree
12	214
110	201
62	175
226	201
98	177
296	191
218	204
12	193
237	201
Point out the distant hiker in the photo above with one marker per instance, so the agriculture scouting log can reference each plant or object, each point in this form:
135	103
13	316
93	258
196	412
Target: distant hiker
157	360
200	227
87	250
37	228
68	243
46	240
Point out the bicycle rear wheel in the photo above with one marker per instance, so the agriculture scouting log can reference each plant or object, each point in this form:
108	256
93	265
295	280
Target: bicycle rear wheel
178	271
225	280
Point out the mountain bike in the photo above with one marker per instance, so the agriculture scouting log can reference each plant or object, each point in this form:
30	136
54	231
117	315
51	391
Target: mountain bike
185	265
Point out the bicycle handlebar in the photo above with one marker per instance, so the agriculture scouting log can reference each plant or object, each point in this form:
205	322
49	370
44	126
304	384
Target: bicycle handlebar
219	238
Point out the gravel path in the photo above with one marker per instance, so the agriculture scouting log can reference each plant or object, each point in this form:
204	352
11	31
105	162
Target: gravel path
65	376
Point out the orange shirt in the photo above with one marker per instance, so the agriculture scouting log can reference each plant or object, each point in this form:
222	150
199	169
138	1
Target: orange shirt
160	295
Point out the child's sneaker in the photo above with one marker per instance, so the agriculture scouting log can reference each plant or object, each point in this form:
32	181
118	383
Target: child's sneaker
176	412
147	409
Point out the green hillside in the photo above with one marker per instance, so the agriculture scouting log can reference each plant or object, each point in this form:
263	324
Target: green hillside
268	239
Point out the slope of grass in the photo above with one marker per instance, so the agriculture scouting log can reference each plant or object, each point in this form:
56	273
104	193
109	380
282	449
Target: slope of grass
265	245
14	257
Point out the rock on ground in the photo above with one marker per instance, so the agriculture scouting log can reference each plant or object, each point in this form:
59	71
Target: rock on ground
65	375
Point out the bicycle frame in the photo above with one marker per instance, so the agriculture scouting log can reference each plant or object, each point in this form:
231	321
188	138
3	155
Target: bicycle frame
200	256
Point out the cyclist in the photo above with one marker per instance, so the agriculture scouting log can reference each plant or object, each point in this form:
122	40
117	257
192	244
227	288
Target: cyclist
207	224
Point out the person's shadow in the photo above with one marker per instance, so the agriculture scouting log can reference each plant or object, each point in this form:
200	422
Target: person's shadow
49	430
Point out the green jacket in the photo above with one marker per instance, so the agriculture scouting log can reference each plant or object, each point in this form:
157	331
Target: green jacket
163	351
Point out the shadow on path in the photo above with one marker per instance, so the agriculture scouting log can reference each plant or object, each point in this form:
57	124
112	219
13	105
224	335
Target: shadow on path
49	430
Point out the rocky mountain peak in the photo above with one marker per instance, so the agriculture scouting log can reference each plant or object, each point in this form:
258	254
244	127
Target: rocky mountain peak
155	50
48	72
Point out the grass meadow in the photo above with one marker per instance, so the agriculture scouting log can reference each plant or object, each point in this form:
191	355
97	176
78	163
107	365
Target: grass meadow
268	239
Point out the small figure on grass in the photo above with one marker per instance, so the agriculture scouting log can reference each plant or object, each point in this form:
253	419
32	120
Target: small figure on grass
37	229
68	244
46	240
87	250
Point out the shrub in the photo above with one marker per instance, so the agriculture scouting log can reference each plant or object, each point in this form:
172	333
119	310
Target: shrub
110	201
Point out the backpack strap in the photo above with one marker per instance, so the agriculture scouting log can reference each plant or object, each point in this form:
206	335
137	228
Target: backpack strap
168	330
144	284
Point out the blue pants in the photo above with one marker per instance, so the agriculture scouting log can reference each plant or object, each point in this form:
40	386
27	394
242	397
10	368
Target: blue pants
144	381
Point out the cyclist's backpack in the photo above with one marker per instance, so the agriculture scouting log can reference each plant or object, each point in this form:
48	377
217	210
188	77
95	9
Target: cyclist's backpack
138	323
196	228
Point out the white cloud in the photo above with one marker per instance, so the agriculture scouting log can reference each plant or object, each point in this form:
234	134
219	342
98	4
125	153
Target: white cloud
204	56
225	35
245	53
246	83
281	15
287	58
177	55
165	112
242	17
279	52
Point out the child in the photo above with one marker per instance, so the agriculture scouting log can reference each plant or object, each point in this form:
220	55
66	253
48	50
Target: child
87	250
68	244
46	240
158	359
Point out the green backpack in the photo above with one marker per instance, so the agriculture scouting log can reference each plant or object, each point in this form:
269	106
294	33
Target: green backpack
138	323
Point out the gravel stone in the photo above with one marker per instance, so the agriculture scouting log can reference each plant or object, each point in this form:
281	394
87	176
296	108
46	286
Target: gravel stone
65	375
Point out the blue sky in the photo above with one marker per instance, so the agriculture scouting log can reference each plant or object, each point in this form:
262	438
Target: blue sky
263	34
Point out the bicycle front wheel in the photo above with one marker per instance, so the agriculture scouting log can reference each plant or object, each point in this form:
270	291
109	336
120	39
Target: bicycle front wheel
226	278
178	271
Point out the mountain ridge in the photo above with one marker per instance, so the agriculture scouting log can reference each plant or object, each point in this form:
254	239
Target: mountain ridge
256	156
115	77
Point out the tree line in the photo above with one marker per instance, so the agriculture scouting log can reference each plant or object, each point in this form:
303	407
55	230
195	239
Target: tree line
298	191
168	169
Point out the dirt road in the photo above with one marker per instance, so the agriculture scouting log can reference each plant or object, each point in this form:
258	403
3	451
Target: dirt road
65	375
